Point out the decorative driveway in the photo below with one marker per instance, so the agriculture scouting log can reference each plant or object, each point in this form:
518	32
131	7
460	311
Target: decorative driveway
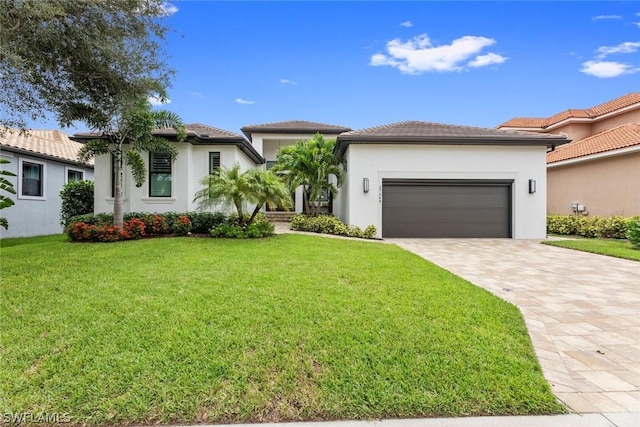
582	311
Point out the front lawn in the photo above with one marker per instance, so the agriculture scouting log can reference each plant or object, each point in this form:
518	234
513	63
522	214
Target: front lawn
186	330
610	247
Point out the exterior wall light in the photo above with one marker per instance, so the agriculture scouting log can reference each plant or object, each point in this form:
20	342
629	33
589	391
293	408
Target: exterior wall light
365	185
532	186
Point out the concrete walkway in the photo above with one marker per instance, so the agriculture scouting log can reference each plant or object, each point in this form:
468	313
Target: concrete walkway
582	311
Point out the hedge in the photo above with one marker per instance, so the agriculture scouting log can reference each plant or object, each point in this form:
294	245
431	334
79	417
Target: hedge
138	225
613	227
329	224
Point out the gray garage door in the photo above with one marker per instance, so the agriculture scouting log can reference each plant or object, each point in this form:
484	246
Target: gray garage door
452	208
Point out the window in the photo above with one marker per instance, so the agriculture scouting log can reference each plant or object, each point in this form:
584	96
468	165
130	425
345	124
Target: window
214	161
159	175
270	164
74	175
32	179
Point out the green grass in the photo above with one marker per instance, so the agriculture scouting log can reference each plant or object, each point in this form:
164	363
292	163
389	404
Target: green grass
185	330
610	247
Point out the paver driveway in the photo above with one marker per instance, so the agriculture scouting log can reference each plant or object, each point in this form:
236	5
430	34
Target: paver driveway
582	311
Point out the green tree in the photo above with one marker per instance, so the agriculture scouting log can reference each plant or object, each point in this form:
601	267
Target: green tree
233	187
267	189
70	56
6	185
309	164
77	199
135	126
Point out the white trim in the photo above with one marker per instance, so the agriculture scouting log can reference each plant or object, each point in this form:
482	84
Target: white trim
43	179
158	200
596	156
66	173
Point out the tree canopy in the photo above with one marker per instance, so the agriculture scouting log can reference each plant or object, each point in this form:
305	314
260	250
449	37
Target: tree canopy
72	57
309	164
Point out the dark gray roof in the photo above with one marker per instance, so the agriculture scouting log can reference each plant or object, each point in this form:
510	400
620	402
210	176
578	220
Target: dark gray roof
417	132
294	126
199	134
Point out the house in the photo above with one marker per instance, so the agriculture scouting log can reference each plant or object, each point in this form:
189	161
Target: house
43	161
170	187
597	173
409	179
420	179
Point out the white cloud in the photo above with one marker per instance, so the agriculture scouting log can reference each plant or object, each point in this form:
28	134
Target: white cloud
626	47
419	55
169	9
602	17
196	94
488	59
407	24
156	100
288	82
607	69
244	101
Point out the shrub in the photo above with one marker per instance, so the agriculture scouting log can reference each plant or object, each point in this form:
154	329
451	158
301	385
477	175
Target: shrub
181	226
156	224
260	227
82	232
329	224
633	232
136	228
77	199
613	227
203	222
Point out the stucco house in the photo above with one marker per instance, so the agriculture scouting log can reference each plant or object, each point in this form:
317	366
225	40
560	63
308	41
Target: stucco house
598	173
43	161
409	179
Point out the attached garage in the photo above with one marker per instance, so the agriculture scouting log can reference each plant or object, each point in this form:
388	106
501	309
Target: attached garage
446	208
429	180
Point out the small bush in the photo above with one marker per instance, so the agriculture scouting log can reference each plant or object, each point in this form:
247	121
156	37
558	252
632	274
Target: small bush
329	224
203	222
181	226
633	232
260	227
77	199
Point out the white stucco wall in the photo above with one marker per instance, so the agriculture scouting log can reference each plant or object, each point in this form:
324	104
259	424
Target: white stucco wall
37	216
191	165
445	162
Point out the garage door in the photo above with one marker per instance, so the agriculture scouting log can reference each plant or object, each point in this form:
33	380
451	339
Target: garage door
452	208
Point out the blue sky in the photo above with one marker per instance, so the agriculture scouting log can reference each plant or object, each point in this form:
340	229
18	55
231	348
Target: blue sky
362	64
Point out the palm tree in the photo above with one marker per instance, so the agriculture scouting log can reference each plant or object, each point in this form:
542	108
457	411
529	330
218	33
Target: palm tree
309	164
134	125
232	187
267	189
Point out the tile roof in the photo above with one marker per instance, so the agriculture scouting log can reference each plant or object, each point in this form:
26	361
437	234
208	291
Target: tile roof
620	103
418	132
50	143
626	135
293	126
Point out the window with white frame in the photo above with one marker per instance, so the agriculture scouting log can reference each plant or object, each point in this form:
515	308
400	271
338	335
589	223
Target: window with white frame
32	179
159	174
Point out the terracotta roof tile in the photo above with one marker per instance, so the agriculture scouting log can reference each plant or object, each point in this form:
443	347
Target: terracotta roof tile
590	113
50	143
620	137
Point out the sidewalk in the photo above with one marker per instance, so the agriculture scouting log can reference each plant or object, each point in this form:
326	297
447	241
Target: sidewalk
626	419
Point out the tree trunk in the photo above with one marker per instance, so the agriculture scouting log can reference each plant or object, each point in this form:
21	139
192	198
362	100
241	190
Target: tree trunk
255	212
305	201
117	197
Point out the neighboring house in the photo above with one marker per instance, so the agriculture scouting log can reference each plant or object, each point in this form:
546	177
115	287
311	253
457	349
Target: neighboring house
597	173
409	179
44	161
420	179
